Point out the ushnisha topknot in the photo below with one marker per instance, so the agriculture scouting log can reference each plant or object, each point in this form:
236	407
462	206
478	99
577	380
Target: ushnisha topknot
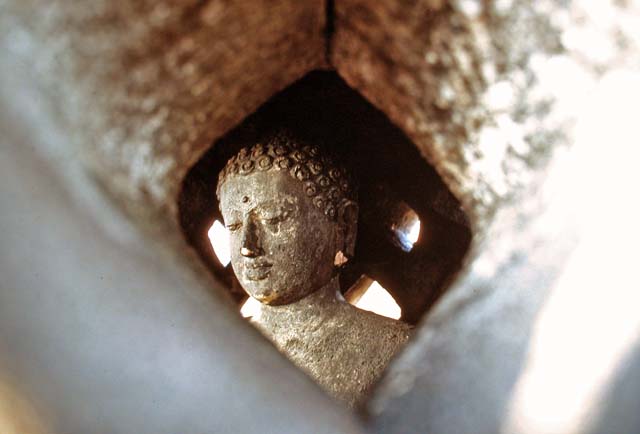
324	182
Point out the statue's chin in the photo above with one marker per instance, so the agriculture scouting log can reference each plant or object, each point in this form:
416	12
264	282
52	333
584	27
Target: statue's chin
264	297
270	297
275	298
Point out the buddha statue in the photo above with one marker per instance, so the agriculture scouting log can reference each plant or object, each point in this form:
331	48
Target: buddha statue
292	217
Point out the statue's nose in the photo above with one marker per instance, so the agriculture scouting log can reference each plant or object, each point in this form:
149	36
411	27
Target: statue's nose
250	243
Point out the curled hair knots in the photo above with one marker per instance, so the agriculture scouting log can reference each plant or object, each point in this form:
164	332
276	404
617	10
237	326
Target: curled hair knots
327	184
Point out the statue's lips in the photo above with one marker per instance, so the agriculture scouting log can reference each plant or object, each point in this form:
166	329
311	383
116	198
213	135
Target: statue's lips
257	271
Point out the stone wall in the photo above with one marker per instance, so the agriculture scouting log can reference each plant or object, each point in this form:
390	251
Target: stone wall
526	109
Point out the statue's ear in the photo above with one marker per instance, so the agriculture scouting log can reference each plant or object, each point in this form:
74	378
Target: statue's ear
348	220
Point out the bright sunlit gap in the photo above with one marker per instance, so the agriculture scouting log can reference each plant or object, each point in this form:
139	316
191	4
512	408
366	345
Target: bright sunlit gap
250	308
219	237
414	232
407	230
376	299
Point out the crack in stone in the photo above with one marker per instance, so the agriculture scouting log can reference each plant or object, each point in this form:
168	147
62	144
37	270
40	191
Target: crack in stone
329	30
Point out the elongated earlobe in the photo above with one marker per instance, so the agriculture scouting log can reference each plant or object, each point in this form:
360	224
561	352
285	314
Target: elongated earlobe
348	220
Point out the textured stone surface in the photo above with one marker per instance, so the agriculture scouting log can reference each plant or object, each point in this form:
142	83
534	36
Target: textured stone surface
508	349
104	331
512	102
292	215
343	348
143	88
460	80
387	167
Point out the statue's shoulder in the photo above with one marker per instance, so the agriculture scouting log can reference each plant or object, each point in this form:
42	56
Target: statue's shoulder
381	334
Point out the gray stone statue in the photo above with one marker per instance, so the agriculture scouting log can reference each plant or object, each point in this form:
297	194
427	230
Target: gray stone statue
292	216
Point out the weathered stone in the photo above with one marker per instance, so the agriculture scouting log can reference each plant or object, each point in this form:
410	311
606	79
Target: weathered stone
292	217
498	96
145	88
528	338
344	349
323	110
104	331
456	82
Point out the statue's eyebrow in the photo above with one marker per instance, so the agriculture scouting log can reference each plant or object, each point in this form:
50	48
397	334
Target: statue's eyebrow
279	203
267	204
237	210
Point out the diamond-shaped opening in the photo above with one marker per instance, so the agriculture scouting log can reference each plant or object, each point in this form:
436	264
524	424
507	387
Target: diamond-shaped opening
412	232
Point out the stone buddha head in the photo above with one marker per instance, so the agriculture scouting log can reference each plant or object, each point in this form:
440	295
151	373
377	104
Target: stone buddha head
292	217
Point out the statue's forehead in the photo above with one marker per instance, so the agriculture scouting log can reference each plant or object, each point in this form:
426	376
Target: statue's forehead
259	187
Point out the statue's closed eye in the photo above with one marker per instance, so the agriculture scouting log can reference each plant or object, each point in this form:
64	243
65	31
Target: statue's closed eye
273	218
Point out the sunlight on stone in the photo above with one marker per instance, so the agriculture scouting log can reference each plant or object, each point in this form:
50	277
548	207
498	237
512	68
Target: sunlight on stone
377	300
414	232
580	374
407	231
219	237
250	308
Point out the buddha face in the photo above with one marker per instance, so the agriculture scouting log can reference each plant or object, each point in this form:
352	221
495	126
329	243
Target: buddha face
282	247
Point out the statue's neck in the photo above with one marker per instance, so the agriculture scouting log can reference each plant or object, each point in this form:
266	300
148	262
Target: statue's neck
316	302
327	294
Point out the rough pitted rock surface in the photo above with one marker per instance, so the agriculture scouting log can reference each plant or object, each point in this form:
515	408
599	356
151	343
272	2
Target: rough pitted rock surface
488	90
343	348
506	99
143	88
472	83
